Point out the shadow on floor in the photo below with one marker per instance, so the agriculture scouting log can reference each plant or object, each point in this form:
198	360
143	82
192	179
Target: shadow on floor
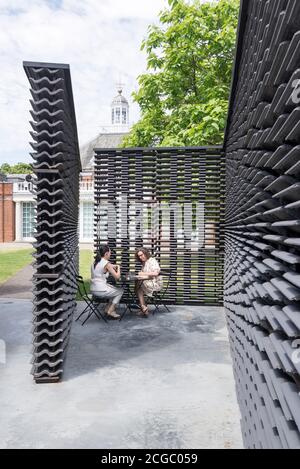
186	334
161	382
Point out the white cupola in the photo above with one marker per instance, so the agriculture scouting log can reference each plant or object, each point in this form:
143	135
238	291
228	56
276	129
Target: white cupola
120	112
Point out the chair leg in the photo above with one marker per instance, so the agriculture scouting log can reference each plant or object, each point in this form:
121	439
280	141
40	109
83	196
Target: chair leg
82	312
96	311
156	308
124	312
92	310
87	318
157	303
100	313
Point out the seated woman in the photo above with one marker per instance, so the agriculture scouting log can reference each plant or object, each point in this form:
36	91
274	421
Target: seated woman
100	270
149	274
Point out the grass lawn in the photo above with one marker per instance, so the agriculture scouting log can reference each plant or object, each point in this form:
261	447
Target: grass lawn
13	261
85	261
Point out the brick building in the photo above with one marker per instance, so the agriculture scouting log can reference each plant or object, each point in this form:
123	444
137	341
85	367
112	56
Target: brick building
7	212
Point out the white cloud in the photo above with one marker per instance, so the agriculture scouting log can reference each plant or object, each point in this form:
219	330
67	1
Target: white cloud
100	39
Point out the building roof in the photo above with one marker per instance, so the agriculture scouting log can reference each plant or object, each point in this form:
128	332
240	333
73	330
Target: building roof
119	99
103	140
16	177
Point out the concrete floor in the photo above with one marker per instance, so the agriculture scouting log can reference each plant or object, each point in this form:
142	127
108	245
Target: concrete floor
162	382
20	285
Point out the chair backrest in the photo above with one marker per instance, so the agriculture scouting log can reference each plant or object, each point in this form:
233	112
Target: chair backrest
81	286
166	273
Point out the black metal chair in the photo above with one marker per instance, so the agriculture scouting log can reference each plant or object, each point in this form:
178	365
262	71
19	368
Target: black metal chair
92	302
158	297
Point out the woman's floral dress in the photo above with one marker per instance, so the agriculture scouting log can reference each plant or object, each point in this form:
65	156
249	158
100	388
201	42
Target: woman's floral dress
153	284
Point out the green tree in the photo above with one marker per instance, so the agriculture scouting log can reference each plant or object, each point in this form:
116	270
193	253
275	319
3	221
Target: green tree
183	97
5	168
19	168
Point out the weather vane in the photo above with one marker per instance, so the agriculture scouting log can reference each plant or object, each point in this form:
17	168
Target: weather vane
119	85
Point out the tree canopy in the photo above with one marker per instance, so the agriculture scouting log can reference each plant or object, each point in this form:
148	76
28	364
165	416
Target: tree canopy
19	168
183	97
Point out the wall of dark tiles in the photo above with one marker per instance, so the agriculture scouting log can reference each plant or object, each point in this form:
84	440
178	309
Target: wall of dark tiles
171	201
56	170
262	260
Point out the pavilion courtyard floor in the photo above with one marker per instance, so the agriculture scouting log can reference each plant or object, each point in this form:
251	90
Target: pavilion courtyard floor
161	382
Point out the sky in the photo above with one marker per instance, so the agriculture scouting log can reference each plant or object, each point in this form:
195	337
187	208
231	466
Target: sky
100	39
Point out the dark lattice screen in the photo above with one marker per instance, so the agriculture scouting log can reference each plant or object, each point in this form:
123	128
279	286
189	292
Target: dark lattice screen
170	200
56	168
262	268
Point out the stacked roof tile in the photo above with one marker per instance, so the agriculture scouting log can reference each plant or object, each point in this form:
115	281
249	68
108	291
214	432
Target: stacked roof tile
56	170
171	201
262	247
